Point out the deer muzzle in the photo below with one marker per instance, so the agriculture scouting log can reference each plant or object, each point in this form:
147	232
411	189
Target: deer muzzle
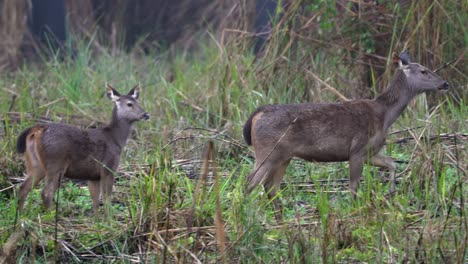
444	86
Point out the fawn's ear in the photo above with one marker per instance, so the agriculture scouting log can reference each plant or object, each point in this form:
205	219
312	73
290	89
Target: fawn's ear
402	60
112	93
135	91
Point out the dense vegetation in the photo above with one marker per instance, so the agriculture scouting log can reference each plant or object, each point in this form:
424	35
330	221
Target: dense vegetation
179	199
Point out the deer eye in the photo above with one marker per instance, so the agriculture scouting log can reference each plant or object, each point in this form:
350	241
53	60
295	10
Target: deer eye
129	104
424	71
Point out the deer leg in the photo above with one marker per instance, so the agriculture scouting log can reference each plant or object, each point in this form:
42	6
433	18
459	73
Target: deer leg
95	192
385	162
107	182
272	185
35	173
266	164
278	209
52	181
34	176
356	165
260	174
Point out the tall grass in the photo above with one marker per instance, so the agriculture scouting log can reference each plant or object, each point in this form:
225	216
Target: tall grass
197	97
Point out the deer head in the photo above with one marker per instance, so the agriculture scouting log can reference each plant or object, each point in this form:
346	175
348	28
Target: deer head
127	106
419	78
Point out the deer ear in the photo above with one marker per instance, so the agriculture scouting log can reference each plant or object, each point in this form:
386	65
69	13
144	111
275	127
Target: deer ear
405	57
112	93
135	91
401	61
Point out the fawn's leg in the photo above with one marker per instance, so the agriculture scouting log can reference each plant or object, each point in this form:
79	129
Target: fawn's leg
34	174
107	182
95	193
32	179
52	181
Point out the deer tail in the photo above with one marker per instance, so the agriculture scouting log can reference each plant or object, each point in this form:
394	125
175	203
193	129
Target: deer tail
21	141
29	142
247	131
248	127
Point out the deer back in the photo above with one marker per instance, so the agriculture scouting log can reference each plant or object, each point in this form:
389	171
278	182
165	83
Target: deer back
319	132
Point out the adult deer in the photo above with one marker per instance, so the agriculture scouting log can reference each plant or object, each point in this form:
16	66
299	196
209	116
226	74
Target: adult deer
353	131
54	151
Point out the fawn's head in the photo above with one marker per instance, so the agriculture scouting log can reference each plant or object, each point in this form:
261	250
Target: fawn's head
419	78
127	106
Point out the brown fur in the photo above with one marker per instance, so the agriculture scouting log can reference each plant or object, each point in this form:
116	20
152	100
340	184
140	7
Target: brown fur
34	154
353	131
248	127
53	151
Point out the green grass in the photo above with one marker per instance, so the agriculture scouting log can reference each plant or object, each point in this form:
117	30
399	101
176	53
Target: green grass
208	96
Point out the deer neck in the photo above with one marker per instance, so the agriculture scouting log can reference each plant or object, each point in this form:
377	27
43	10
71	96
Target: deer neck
119	129
395	99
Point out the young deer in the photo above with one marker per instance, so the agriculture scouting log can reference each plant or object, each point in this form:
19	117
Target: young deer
353	131
53	151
